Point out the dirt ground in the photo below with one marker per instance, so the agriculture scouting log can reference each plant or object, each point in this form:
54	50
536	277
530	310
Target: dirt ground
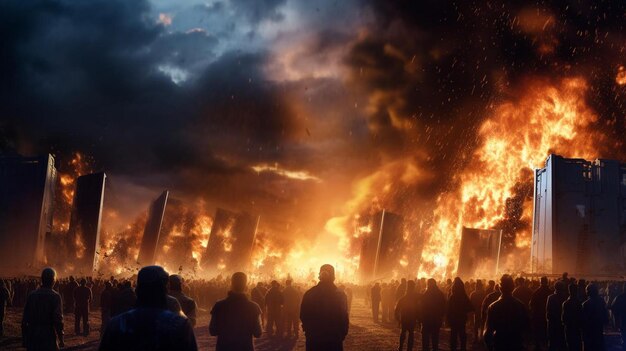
364	335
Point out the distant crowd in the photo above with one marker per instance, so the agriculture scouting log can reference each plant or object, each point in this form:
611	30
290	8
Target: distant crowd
158	311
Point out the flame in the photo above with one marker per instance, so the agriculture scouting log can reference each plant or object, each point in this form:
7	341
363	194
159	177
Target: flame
516	138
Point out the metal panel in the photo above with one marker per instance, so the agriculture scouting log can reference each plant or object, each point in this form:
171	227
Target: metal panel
26	200
578	223
152	231
479	252
85	220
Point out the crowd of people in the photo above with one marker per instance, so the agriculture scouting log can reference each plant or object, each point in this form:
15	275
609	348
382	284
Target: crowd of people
156	310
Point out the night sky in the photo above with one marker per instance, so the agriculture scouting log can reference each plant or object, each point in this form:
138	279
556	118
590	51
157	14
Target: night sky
280	107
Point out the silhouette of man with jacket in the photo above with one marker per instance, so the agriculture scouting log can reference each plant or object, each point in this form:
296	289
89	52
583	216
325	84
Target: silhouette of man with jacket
507	320
42	321
324	314
235	320
406	313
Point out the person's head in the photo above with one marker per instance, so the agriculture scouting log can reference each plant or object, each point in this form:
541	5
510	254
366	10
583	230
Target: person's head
327	274
492	284
564	276
83	282
288	282
403	281
259	285
560	288
176	282
377	284
506	285
431	283
107	285
573	290
457	286
238	282
152	287
479	284
274	284
72	278
592	290
410	286
48	277
544	281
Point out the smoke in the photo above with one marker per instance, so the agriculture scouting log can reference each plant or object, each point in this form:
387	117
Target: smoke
379	103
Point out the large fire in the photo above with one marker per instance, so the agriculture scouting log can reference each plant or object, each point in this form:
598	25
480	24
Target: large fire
492	189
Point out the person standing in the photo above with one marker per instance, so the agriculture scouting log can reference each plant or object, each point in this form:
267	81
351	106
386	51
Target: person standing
187	304
406	312
618	307
594	317
554	311
258	296
82	299
507	320
274	301
376	296
150	325
459	306
477	297
236	320
432	311
291	310
42	321
324	314
106	305
538	302
571	318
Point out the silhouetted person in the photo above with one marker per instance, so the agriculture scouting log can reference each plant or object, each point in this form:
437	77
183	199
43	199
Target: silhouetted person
594	317
571	318
459	306
258	296
5	299
618	307
324	314
82	299
388	301
235	320
68	294
125	299
274	303
489	299
349	296
538	321
522	292
401	290
432	311
507	320
42	321
291	310
187	304
554	311
406	313
106	304
149	326
375	296
491	287
476	297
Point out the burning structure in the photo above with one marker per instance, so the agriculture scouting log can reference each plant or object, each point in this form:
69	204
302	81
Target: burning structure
579	217
26	204
231	241
84	231
479	252
382	247
151	233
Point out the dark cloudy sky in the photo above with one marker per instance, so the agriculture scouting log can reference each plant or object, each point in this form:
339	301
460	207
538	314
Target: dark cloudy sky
193	96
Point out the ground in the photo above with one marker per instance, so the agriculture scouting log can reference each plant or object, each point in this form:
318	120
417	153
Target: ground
364	335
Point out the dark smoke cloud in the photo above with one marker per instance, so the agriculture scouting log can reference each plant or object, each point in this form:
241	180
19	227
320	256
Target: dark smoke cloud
435	66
